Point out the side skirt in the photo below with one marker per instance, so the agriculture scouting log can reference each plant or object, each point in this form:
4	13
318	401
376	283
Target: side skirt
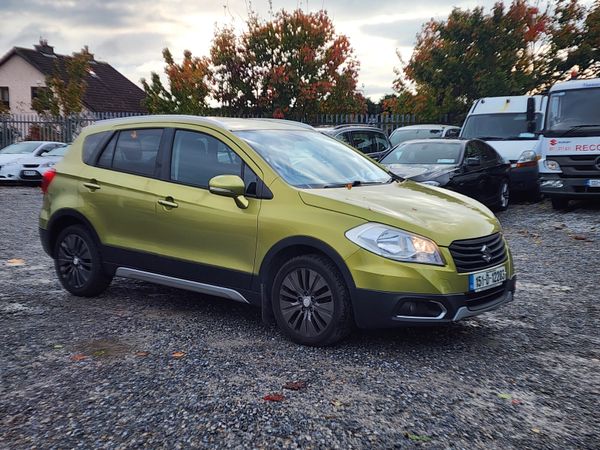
180	283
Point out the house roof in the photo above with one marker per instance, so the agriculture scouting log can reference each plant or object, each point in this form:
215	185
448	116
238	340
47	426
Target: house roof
107	89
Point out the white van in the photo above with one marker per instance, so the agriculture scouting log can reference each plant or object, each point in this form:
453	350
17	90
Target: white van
509	125
570	142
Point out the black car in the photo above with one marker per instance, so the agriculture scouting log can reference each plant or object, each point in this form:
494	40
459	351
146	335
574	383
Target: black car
470	167
370	140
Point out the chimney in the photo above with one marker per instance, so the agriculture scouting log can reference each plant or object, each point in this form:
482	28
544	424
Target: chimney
86	51
44	48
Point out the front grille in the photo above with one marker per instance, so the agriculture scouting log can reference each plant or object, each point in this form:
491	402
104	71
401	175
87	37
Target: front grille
476	300
578	165
30	166
468	254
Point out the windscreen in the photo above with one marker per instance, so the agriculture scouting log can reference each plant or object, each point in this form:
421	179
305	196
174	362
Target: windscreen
576	112
434	152
58	151
506	126
307	159
22	148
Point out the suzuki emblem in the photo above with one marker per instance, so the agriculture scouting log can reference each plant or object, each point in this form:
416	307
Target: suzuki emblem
486	254
553	142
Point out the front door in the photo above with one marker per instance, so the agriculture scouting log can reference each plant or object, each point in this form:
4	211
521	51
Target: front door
207	235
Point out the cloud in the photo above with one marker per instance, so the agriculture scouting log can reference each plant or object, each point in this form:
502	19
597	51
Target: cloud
403	32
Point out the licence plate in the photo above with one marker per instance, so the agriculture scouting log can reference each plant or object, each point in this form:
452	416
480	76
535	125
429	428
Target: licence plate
593	183
487	279
30	173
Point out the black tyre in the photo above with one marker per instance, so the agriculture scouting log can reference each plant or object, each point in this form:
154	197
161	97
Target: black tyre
535	195
78	264
311	302
559	203
502	197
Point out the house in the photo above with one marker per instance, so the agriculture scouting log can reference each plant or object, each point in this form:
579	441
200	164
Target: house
23	72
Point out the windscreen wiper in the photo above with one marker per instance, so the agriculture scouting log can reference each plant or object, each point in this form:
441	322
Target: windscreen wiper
353	184
578	127
491	138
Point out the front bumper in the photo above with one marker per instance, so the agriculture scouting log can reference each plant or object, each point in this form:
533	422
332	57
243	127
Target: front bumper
553	185
375	309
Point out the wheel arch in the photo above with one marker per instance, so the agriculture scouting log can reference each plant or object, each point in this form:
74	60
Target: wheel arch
64	218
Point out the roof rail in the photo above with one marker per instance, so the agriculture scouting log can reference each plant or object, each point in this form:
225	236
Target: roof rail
291	122
372	125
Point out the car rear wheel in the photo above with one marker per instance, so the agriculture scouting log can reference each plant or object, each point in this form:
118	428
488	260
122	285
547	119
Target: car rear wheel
311	302
78	264
502	197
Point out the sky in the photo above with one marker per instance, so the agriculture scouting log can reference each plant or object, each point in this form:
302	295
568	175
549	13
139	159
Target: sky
130	34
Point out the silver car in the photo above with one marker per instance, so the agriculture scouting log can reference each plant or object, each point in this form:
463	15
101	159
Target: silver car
19	164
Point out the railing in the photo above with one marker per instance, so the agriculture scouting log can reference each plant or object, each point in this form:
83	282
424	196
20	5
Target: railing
32	127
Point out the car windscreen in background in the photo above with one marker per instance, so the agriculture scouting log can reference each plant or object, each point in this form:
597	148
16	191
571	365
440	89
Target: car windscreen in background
433	152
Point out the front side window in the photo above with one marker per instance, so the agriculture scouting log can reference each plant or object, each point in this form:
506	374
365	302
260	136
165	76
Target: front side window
575	112
424	153
133	151
307	159
381	142
198	157
402	135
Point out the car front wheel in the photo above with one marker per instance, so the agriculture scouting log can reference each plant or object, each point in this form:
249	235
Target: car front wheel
78	264
311	302
502	197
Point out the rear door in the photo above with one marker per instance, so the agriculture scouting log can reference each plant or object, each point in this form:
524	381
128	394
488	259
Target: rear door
115	194
206	236
473	180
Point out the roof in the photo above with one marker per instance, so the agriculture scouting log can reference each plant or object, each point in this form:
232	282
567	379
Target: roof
507	105
343	128
108	90
426	127
576	84
227	123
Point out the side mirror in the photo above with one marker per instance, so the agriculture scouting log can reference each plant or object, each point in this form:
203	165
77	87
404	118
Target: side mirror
229	186
473	161
452	133
531	125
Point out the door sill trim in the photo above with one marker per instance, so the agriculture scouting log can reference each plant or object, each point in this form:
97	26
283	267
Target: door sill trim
180	283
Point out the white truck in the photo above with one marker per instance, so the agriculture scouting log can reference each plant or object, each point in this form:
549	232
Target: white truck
511	125
570	142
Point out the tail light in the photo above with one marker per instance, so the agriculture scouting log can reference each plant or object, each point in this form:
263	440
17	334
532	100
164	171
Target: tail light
47	179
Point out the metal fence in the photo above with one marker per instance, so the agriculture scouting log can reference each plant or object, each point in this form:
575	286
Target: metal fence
32	127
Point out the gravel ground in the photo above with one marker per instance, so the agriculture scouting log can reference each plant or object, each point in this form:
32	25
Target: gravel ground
101	373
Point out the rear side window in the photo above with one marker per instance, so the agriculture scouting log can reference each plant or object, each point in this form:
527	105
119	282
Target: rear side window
381	142
363	141
90	145
198	157
133	151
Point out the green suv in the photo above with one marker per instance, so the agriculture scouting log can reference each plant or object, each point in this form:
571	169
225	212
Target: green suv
270	213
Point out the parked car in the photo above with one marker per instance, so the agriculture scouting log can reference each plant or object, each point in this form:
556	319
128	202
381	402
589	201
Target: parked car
370	140
411	132
32	168
14	152
272	214
470	167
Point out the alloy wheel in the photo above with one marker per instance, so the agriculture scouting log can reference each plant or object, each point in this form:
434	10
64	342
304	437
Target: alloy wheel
306	302
74	261
504	195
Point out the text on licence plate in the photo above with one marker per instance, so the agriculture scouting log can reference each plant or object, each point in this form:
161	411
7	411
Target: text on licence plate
487	279
593	183
29	172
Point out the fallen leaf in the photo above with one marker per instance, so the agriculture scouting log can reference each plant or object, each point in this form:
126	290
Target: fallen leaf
579	237
78	357
57	346
99	353
295	385
505	396
15	262
274	397
337	403
516	401
536	430
142	354
417	437
178	355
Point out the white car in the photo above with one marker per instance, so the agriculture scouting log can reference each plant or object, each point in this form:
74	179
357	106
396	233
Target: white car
411	132
19	163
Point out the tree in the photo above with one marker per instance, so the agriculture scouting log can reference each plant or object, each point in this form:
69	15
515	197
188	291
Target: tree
188	88
291	66
511	50
65	87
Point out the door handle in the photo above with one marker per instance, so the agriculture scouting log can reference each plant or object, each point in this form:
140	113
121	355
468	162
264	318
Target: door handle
168	203
92	185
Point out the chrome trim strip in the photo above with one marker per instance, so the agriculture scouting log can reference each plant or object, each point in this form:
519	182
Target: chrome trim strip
195	286
464	312
440	316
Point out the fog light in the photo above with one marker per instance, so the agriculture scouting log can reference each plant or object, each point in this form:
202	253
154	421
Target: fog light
552	183
421	309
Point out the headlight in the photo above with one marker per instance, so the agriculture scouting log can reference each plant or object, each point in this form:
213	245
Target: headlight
48	164
527	156
395	244
551	164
